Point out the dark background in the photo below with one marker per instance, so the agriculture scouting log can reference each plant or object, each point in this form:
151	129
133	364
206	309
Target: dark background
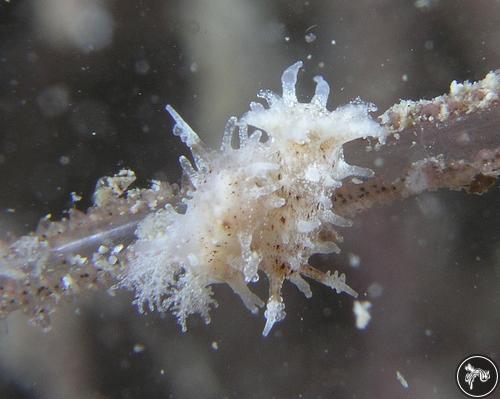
83	89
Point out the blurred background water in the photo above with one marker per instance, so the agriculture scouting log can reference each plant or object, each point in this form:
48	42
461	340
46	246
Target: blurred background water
83	89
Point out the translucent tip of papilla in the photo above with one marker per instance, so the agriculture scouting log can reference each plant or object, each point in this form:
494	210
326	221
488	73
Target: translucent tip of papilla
173	113
322	91
288	82
182	129
275	312
231	125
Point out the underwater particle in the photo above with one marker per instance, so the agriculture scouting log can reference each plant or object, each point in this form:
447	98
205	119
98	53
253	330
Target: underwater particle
47	180
53	101
272	32
402	379
142	67
464	138
333	42
64	160
32	57
361	311
193	26
375	290
404	77
310	37
139	348
90	119
287	38
354	260
378	162
193	67
215	345
425	4
430	206
85	25
429	45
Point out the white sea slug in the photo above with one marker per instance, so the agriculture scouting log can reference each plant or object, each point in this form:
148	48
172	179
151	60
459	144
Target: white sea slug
264	207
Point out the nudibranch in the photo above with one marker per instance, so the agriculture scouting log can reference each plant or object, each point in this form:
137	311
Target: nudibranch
262	208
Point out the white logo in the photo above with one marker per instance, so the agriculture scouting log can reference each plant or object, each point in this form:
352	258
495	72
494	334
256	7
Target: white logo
472	373
477	376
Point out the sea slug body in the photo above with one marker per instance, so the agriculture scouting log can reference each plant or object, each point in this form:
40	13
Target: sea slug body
262	208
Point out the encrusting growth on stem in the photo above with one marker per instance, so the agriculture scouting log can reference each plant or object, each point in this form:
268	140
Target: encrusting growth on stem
260	209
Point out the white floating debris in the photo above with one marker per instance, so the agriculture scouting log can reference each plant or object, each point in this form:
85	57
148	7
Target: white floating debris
402	380
215	345
375	290
378	162
425	4
64	160
86	26
138	348
53	100
404	78
464	138
354	260
361	310
310	37
142	67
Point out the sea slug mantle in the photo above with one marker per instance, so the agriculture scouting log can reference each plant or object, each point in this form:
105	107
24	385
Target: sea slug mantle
262	207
